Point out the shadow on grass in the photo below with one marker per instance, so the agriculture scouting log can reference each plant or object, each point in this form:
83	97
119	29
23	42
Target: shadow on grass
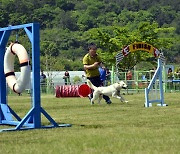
89	126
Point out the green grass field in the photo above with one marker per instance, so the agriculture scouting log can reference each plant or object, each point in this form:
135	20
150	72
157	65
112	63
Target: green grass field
116	128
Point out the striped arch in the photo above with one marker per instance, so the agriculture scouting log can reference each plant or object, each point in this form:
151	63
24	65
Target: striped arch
141	46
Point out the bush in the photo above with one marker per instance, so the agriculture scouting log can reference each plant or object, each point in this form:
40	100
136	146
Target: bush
76	79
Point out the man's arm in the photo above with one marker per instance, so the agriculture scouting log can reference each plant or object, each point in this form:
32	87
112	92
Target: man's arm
93	66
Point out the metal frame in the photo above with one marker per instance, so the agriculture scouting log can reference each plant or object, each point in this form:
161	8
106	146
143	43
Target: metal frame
32	120
157	76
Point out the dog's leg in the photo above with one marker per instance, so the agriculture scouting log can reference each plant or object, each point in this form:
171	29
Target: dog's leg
117	95
96	96
100	97
92	102
92	99
122	99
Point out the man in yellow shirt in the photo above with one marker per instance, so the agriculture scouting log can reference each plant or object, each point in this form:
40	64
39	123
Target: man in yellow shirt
91	62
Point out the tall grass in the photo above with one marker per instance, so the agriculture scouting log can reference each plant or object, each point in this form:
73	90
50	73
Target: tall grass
116	128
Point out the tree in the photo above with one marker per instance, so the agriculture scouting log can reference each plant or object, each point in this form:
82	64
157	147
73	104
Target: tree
44	16
163	14
50	53
65	5
112	39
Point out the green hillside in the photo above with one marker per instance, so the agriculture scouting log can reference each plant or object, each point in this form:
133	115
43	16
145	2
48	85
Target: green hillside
68	26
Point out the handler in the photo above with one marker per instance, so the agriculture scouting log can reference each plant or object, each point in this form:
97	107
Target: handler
91	62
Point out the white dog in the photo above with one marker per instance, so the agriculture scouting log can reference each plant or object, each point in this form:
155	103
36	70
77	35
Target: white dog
112	90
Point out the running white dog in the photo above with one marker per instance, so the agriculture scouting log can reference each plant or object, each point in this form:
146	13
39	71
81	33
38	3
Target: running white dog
112	90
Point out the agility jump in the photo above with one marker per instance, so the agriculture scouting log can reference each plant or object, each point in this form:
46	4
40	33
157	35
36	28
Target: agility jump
32	120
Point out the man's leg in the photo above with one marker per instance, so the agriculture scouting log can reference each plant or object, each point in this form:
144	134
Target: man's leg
107	99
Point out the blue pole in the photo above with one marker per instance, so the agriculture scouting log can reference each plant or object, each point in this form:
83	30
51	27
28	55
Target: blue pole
4	36
160	82
36	75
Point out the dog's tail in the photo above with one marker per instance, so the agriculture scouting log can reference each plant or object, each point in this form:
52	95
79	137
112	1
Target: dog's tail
89	83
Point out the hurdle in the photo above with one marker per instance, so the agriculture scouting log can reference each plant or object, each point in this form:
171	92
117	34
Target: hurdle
32	120
156	77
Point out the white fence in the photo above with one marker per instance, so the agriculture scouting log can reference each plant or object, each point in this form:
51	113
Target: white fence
56	77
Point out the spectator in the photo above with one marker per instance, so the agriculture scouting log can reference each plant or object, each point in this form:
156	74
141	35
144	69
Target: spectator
170	74
177	73
42	78
170	77
102	71
43	82
66	78
129	78
108	77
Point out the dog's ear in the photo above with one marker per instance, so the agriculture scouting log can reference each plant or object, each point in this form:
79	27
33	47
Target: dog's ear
120	82
124	83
